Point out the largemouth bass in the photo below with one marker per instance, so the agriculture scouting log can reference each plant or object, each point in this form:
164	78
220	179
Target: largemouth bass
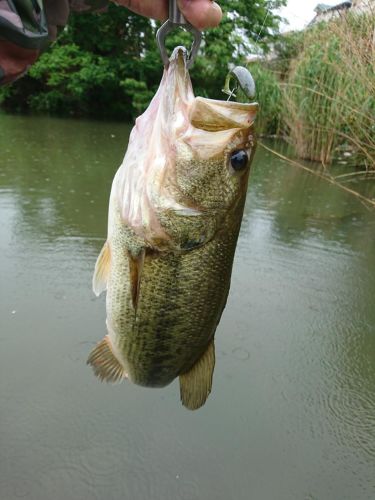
174	216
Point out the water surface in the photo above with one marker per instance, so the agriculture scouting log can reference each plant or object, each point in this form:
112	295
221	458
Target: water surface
292	412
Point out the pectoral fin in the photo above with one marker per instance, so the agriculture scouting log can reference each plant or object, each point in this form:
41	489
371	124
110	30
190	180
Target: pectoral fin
102	268
105	364
196	384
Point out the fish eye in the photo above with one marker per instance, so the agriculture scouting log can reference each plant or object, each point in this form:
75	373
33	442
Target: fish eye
239	160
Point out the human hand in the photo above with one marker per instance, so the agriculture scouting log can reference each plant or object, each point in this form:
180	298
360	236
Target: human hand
200	13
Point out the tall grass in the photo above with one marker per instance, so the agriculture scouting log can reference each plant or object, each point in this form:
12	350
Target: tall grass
268	95
329	94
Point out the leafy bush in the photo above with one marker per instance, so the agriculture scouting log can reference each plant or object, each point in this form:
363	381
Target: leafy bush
109	65
286	48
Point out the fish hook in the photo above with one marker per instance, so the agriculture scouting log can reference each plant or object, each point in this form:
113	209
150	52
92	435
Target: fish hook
243	80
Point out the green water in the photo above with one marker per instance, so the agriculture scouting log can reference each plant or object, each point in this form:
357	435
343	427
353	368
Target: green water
292	412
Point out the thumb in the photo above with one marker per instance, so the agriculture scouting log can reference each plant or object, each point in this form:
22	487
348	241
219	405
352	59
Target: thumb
201	13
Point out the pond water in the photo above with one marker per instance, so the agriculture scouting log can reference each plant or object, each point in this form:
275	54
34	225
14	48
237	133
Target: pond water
292	412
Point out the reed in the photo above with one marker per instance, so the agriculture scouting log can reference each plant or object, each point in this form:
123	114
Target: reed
268	95
329	95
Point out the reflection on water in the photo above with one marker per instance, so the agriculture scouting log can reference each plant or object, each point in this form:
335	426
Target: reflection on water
292	415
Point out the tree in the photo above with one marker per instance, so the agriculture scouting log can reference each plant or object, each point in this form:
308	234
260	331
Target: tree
108	64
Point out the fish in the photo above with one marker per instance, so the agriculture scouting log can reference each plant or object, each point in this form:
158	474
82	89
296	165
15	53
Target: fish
175	212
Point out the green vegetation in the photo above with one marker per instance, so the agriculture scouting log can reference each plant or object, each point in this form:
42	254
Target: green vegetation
108	65
318	92
270	98
329	94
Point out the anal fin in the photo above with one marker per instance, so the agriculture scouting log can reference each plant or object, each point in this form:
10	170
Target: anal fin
196	384
105	364
102	268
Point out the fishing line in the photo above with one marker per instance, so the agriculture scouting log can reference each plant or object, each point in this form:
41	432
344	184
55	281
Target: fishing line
264	22
367	202
242	75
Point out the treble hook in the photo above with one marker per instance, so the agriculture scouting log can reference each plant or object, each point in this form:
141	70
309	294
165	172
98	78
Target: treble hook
175	20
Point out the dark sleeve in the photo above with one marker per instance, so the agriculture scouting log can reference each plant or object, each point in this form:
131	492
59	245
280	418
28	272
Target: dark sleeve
27	26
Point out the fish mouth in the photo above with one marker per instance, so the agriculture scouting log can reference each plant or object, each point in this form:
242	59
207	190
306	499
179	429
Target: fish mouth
180	93
200	112
179	53
213	115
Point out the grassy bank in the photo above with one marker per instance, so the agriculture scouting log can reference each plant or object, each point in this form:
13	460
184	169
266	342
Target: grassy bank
326	96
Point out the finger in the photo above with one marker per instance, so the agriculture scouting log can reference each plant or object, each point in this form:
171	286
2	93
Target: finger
201	13
157	9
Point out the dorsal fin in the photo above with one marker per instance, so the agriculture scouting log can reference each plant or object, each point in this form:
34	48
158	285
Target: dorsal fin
196	384
105	364
135	272
102	268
